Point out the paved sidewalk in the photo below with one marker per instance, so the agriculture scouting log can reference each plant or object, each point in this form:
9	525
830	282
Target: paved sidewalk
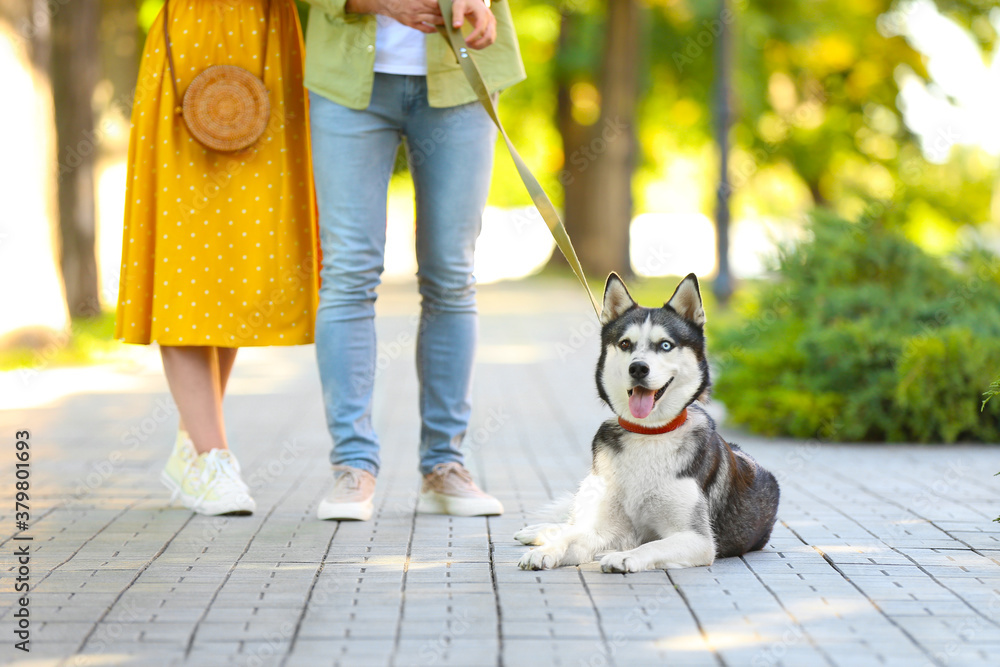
883	555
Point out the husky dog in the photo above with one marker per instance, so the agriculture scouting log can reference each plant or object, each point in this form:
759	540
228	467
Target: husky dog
665	490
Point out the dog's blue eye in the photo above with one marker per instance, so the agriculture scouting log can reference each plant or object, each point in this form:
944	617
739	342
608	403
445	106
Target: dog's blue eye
666	346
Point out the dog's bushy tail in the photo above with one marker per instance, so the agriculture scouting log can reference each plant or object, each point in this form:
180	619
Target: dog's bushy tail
557	511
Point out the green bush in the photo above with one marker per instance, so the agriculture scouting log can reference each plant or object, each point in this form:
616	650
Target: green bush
865	337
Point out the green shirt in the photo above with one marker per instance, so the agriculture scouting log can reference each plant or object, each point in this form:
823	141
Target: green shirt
340	58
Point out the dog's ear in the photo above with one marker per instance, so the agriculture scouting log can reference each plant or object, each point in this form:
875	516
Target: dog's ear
616	299
686	301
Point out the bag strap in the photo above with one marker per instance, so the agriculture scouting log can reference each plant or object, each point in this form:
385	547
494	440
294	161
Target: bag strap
170	53
538	196
170	58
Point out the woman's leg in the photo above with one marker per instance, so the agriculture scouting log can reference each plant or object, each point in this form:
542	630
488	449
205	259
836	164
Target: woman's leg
193	374
226	357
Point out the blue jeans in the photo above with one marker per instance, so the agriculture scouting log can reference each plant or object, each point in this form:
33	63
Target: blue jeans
450	154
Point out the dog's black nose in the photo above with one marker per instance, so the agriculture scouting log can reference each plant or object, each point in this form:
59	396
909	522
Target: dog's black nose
638	369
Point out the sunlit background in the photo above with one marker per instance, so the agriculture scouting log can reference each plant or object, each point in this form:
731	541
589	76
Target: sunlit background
949	106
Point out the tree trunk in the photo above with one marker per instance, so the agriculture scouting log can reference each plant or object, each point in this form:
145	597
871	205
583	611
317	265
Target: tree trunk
600	158
74	72
723	286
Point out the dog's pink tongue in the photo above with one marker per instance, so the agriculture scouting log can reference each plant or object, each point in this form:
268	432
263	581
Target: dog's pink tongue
640	403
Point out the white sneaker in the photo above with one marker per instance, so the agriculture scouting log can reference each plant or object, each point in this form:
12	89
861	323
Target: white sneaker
449	489
179	464
213	485
351	497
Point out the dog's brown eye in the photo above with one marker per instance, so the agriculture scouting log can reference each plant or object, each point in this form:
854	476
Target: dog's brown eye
625	346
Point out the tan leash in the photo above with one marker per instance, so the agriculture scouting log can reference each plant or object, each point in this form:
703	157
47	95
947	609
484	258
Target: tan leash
538	196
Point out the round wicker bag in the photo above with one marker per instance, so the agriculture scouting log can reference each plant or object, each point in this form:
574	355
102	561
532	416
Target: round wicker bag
226	108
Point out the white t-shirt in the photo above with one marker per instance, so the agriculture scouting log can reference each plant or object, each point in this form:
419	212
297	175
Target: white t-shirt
399	49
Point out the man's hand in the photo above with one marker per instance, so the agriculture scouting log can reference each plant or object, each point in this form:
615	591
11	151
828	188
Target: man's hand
422	15
484	24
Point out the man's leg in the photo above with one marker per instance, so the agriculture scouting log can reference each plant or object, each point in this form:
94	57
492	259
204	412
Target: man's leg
353	155
450	152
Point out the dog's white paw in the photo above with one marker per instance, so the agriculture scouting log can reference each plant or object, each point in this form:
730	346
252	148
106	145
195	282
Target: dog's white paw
528	535
621	561
537	559
537	534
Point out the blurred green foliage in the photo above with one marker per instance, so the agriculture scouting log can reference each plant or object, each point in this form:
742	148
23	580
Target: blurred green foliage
815	95
89	340
829	110
991	391
864	336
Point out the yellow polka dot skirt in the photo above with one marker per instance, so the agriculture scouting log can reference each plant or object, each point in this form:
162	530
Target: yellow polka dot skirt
220	249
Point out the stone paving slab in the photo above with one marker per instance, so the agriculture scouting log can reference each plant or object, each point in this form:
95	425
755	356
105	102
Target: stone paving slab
883	555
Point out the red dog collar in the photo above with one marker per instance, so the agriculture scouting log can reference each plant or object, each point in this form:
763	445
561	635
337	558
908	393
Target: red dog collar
675	423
